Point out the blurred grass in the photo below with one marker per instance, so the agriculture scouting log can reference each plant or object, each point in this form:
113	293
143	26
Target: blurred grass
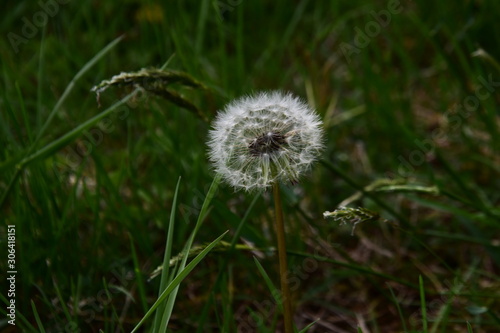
75	208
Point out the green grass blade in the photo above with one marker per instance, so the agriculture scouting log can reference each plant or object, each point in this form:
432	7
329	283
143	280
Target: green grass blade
11	183
19	316
41	64
240	59
204	313
178	279
166	258
37	318
24	114
138	275
243	221
73	134
29	157
201	26
455	290
423	307
260	325
114	314
206	202
71	85
8	133
204	209
304	330
359	268
272	288
63	302
400	312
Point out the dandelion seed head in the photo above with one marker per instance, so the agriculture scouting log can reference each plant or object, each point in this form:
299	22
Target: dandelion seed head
258	140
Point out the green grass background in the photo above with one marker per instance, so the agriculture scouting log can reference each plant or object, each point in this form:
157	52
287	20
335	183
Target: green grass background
91	219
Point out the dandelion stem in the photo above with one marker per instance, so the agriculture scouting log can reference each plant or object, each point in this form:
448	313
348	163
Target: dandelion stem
280	233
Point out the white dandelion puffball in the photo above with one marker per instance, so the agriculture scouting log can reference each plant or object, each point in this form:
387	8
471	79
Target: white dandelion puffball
258	140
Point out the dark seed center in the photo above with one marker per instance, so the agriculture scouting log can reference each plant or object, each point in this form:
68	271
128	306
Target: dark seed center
267	143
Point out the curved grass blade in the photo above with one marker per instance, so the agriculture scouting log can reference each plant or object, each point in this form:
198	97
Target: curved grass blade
73	134
28	327
54	111
304	330
138	275
203	213
272	288
70	87
359	268
166	258
37	318
400	312
233	245
177	280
